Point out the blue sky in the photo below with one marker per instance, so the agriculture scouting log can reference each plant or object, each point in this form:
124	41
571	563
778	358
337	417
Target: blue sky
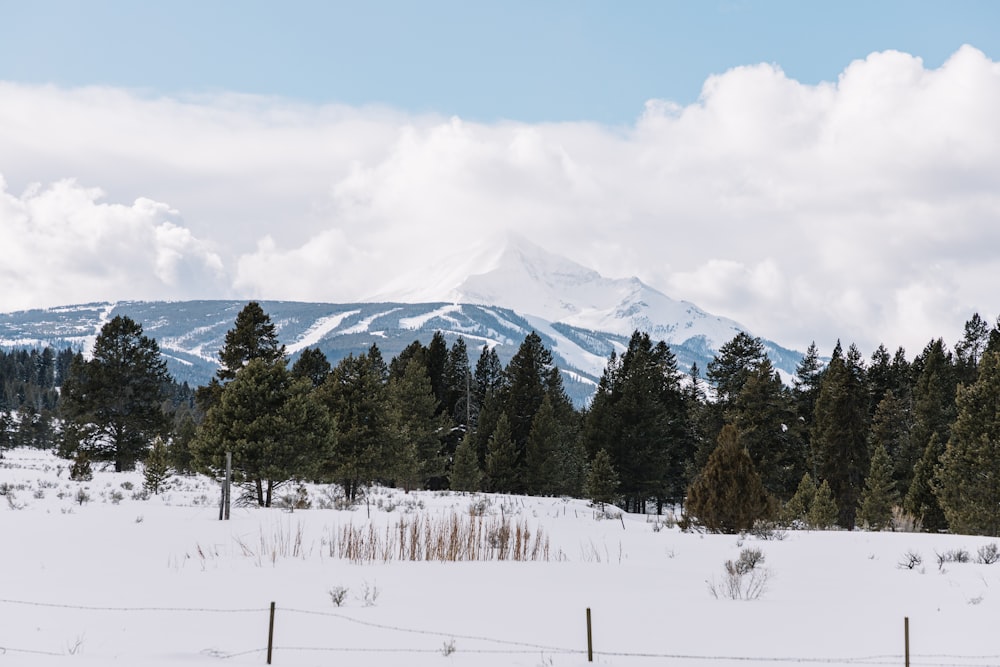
815	171
534	61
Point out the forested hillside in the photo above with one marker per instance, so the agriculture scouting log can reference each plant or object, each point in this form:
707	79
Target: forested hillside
878	443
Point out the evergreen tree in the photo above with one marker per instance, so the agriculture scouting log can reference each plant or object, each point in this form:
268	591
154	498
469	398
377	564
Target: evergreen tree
602	480
356	395
879	495
764	413
252	337
970	349
797	507
273	425
113	400
733	365
465	472
806	383
313	365
540	455
156	470
502	474
416	428
640	416
890	429
823	511
839	439
437	360
728	495
968	485
920	499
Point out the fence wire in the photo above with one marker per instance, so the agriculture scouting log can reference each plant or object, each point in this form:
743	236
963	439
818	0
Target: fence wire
514	647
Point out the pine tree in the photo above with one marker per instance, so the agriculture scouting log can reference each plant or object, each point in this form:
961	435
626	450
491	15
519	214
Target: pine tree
602	480
465	472
968	484
253	336
797	507
823	511
921	500
274	426
879	496
764	413
728	495
540	452
891	428
157	469
416	428
734	364
356	395
313	365
839	439
640	416
113	401
502	474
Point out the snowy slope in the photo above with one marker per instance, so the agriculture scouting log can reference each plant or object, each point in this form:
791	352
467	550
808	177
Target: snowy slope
517	274
158	581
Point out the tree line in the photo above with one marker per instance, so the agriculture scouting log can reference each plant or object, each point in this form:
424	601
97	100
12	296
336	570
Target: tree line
846	442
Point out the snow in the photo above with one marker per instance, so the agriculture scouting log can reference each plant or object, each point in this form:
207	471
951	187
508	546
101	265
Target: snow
421	320
315	333
363	325
161	582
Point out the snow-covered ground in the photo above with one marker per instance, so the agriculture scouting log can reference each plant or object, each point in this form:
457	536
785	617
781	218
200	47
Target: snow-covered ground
118	579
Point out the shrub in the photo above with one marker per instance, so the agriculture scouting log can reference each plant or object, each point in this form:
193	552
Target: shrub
988	554
81	471
911	560
338	594
743	579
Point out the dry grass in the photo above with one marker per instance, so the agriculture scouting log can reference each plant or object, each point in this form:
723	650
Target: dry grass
451	538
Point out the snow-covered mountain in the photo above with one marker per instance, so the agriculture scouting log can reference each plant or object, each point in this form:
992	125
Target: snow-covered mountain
493	299
534	282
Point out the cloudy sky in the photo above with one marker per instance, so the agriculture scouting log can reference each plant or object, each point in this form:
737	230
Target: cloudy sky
813	170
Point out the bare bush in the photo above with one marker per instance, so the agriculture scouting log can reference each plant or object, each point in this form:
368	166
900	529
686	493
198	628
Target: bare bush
338	594
911	560
952	556
988	554
743	579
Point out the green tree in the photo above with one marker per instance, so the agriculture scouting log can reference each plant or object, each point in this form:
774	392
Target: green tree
764	412
253	336
416	427
921	501
356	394
879	495
313	365
736	361
157	468
640	416
891	429
728	495
823	511
273	425
797	507
502	474
934	412
602	480
112	402
839	439
465	472
540	455
968	481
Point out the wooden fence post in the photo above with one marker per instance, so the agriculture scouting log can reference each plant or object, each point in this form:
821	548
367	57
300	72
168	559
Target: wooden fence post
906	638
590	639
270	635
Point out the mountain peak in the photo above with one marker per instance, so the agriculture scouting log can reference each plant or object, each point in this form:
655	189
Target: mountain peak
510	271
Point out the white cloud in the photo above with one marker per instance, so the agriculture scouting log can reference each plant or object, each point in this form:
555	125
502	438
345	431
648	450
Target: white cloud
863	209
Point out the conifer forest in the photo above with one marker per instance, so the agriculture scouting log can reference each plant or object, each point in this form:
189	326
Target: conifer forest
881	443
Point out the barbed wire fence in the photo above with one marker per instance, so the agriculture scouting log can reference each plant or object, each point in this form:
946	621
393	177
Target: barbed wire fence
501	646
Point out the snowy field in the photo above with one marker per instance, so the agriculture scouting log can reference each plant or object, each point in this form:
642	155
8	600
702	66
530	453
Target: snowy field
158	581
